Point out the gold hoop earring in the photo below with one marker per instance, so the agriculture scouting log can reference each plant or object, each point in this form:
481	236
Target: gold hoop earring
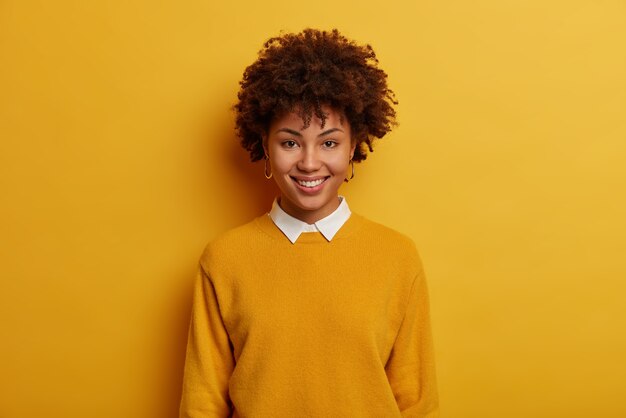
352	176
265	169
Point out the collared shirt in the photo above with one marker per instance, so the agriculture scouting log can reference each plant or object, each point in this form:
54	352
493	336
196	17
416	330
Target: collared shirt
293	227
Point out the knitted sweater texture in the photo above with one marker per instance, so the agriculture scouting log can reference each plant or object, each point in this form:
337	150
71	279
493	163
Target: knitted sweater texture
311	329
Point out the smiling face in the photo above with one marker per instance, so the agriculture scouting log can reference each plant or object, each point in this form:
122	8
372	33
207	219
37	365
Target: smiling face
309	164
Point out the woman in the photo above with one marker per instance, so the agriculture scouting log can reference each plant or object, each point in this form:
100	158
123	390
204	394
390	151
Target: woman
311	310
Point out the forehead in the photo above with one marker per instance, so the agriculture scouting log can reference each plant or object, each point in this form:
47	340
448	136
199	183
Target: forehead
294	120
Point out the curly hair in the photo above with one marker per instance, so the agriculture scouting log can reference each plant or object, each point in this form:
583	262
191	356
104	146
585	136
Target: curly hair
305	71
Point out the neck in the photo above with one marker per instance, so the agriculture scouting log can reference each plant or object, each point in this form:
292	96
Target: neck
309	216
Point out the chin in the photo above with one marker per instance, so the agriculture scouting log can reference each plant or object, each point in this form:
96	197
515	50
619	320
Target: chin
309	206
308	203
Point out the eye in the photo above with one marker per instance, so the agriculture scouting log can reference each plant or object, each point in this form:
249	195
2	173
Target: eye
330	144
289	144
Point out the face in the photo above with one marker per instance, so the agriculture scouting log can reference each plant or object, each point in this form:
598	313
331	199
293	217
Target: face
309	164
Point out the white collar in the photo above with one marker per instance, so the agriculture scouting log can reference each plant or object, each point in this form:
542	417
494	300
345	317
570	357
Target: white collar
293	227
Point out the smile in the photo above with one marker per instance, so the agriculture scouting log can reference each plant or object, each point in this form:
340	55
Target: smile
310	185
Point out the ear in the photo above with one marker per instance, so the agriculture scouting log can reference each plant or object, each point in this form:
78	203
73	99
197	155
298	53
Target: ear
264	143
352	149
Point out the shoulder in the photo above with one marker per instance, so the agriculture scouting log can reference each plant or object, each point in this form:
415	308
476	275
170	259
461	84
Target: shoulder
231	244
385	238
383	233
378	245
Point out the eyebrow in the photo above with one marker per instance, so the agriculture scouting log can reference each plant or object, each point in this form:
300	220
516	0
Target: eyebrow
296	133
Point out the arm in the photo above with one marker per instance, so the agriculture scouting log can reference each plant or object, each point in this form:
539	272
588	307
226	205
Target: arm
209	361
411	366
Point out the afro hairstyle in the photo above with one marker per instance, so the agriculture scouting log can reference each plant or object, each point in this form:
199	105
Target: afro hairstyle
305	71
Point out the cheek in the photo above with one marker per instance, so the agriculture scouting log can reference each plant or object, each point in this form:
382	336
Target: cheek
339	165
281	164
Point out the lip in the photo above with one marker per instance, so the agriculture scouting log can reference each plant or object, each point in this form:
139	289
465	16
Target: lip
310	190
304	178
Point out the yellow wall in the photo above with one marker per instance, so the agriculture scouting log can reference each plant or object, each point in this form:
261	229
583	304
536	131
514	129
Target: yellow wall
118	163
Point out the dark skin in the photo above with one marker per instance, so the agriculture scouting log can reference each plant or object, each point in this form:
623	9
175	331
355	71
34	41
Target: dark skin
306	72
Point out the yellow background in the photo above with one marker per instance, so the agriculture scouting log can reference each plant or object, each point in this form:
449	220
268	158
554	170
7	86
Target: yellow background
118	163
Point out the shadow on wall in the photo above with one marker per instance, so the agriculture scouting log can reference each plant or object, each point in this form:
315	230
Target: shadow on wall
251	184
180	313
240	192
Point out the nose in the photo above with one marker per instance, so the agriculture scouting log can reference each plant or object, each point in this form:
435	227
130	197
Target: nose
309	161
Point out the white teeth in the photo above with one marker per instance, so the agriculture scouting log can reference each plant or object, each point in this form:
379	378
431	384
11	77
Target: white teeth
310	183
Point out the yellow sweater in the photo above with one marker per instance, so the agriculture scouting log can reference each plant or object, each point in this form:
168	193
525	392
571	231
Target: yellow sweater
311	329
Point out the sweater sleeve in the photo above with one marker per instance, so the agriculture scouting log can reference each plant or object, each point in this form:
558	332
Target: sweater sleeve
209	360
411	367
